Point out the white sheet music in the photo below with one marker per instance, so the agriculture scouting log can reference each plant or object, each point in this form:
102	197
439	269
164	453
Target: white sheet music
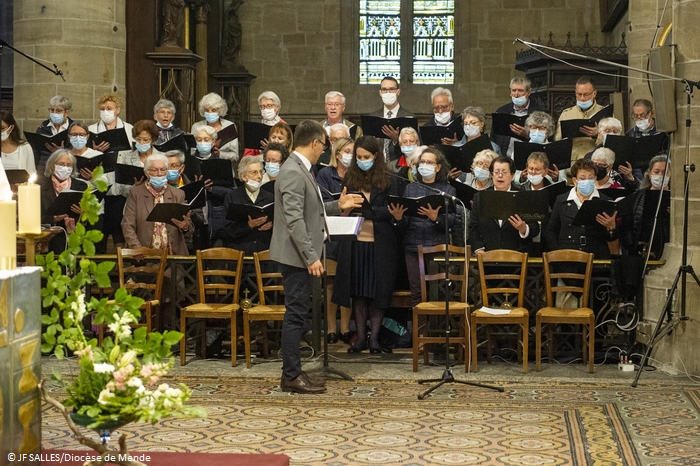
344	226
495	311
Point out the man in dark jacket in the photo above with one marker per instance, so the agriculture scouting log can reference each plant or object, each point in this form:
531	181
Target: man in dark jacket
520	105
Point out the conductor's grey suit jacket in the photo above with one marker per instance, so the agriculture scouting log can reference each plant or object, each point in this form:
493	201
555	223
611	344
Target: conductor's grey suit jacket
299	228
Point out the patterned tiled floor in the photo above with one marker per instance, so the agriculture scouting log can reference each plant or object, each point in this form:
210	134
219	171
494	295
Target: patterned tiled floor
382	422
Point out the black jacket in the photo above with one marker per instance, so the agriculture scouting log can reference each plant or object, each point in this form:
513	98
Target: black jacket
239	235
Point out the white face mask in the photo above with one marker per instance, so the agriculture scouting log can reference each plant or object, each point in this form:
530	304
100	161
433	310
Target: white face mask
471	131
107	116
481	174
252	185
389	98
62	173
268	113
535	180
346	159
443	118
658	181
643	125
4	135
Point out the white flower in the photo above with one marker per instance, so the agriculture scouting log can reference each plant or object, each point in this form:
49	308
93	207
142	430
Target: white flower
163	387
103	368
128	358
135	382
173	392
167	403
105	395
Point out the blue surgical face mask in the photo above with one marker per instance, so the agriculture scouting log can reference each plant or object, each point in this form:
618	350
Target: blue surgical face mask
405	150
426	171
163	127
365	165
584	105
481	174
537	136
78	142
173	175
56	118
142	147
211	117
204	147
585	187
158	181
519	101
414	172
272	168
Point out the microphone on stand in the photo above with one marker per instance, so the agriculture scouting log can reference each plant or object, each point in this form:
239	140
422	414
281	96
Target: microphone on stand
435	190
58	72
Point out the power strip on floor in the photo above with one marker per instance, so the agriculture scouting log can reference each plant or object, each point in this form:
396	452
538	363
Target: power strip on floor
625	367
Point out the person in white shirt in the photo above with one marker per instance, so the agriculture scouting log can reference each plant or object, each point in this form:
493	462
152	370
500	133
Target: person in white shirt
214	108
110	106
59	109
335	106
17	154
389	91
443	112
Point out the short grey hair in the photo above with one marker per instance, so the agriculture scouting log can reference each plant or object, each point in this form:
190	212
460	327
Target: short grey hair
213	100
540	119
164	103
408	130
79	124
270	95
340	127
487	154
521	80
207	129
330	95
610	122
441	91
159	157
61	101
176	153
246	161
477	112
604	154
415	154
53	160
643	103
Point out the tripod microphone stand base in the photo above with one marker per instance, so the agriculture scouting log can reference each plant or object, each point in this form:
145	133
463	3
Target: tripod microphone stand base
448	377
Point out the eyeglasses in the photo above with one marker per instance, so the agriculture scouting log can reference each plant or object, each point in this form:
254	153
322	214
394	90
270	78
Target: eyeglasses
428	162
143	140
203	139
483	164
472	122
64	164
82	135
409	142
174	166
640	116
268	107
541	128
334	104
156	171
441	108
611	131
57	110
255	172
588	178
501	172
386	90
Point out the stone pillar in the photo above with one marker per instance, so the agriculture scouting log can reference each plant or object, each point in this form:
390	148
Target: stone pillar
680	344
201	77
87	40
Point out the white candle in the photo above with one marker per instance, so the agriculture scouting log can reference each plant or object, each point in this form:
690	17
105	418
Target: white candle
8	233
29	196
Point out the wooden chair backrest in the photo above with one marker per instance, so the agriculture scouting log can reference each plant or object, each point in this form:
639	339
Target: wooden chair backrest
502	256
216	257
425	253
572	257
145	275
266	281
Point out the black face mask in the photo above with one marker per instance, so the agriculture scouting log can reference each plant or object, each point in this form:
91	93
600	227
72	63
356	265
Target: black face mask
601	172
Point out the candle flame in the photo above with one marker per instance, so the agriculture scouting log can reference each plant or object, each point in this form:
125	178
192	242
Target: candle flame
32	179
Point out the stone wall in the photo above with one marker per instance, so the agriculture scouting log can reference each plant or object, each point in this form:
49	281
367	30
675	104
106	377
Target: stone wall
87	40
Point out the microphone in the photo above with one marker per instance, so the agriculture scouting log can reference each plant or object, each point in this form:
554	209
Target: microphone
58	72
435	190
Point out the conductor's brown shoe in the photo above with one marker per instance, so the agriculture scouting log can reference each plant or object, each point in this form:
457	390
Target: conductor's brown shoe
314	381
300	385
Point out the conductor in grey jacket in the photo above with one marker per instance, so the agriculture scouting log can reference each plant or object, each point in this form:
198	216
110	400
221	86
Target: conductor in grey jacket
297	244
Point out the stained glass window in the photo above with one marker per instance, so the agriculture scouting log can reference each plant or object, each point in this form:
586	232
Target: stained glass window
380	40
433	41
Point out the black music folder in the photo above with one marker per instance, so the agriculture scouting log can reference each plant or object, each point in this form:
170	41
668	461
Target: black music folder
254	133
412	204
558	153
39	141
228	134
217	170
63	203
651	199
531	206
465	193
179	142
107	160
17	176
501	124
125	174
637	151
615	193
166	211
241	212
372	125
195	194
555	190
269	187
461	157
432	135
117	139
592	207
570	128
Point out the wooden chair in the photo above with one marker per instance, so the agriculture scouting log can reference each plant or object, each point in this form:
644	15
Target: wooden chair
268	282
437	308
517	315
214	282
143	279
557	315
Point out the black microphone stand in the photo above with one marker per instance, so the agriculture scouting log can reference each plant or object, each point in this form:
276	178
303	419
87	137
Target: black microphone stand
447	374
55	71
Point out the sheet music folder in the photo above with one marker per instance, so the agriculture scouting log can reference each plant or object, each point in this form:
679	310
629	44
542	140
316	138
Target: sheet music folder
570	128
241	212
117	138
501	124
558	153
372	125
166	211
531	206
344	228
431	135
590	208
412	204
637	151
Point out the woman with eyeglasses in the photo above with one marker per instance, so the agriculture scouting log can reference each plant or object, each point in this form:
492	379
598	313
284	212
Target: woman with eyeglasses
142	198
367	267
253	235
269	104
601	238
17	154
78	135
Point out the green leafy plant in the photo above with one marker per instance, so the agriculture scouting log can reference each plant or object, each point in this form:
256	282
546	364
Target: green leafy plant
118	381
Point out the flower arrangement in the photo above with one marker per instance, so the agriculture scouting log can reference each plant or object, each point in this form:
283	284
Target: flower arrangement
117	382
